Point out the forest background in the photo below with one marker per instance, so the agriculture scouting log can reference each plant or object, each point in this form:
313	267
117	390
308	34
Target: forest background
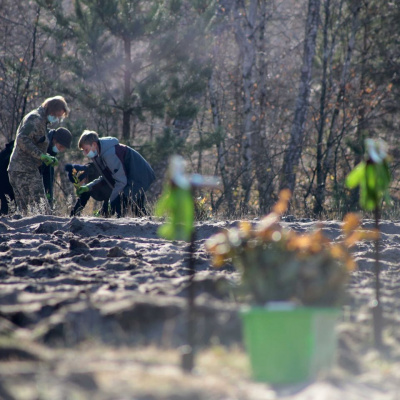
264	94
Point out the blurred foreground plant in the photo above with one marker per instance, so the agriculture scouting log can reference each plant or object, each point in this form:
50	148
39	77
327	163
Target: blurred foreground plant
372	176
177	204
278	264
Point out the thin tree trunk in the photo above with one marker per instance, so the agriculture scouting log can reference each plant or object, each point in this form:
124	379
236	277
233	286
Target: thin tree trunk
245	37
332	137
221	163
126	109
320	187
358	146
294	150
264	167
33	60
19	103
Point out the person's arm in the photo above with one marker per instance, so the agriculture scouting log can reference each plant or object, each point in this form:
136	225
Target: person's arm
95	182
29	134
118	173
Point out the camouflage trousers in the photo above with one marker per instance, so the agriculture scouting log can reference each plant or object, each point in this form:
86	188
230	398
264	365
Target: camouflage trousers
29	192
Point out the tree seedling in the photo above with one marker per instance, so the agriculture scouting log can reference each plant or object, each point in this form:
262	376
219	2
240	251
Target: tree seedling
372	176
177	203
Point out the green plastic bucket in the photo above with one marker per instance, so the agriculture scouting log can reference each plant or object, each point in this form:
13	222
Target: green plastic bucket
289	346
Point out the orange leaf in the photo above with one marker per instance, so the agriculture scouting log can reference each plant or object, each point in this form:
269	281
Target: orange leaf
351	221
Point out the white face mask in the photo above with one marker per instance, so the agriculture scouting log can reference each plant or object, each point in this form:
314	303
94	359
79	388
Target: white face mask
92	154
52	119
55	149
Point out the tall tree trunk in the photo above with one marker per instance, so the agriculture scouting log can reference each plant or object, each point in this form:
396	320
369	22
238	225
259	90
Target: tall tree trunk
245	30
318	206
328	162
32	64
294	150
126	108
264	168
221	163
21	95
358	146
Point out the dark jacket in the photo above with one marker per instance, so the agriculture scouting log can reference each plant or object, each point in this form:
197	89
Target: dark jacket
48	171
5	187
122	168
100	192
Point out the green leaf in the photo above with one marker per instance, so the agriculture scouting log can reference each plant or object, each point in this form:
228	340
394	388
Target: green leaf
177	204
355	176
371	177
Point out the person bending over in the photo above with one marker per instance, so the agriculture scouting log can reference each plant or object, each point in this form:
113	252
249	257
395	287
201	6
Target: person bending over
124	170
30	150
59	141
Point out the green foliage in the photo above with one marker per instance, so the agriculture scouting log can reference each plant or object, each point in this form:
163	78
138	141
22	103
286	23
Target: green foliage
163	146
373	179
175	6
210	139
132	57
177	204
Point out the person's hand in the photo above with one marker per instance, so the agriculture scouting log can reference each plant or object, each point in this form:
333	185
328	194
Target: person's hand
82	189
49	160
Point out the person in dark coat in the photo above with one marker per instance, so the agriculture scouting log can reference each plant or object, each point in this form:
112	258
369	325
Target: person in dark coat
59	140
5	186
100	192
122	168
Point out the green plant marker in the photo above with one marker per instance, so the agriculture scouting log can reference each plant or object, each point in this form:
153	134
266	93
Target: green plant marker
177	204
373	178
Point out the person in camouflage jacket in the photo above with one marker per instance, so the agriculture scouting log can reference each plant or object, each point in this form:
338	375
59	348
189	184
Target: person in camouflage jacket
30	150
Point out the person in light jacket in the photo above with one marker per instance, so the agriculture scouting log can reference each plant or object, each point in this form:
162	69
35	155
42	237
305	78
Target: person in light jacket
126	172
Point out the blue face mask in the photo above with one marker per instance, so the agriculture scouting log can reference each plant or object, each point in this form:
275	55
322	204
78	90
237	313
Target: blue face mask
92	154
55	149
52	119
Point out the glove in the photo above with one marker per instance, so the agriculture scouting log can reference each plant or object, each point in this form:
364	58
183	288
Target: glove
82	189
49	160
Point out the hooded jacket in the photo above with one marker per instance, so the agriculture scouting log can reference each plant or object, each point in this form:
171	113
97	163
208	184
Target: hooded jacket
123	168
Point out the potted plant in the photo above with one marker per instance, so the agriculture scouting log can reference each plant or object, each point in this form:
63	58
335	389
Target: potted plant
296	284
